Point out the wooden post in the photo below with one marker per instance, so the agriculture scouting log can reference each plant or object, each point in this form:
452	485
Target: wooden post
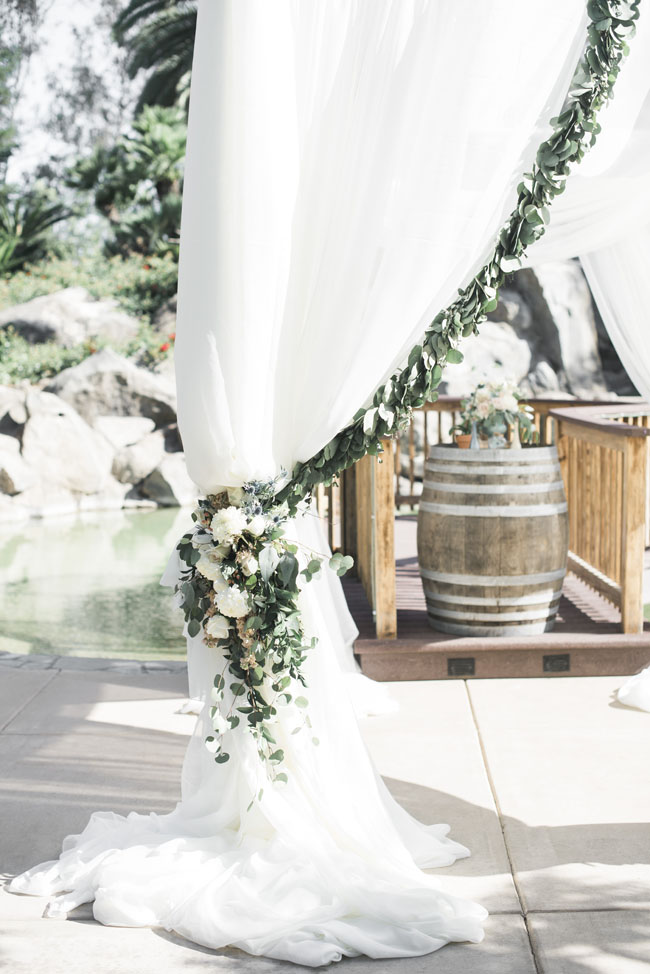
383	529
633	533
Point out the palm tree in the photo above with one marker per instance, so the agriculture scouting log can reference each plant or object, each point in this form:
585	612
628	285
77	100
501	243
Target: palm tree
160	36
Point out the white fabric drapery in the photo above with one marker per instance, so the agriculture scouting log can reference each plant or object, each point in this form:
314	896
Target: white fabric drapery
603	217
349	164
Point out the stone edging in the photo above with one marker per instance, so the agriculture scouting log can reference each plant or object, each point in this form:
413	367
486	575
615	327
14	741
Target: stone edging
93	663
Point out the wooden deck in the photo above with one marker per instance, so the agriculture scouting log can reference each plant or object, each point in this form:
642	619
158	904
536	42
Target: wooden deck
586	640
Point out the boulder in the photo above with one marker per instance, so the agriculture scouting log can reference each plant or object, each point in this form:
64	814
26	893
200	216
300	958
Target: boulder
169	484
133	463
121	431
15	474
13	412
69	317
563	325
497	353
61	448
108	384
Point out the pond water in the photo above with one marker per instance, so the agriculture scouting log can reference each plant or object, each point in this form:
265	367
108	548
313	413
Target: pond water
89	585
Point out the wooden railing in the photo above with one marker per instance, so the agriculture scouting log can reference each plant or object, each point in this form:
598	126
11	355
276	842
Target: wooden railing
432	424
604	458
604	454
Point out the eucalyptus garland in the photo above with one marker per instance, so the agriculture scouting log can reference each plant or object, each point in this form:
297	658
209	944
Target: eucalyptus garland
611	24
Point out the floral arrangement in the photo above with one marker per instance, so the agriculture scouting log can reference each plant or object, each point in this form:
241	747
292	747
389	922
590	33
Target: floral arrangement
493	407
239	589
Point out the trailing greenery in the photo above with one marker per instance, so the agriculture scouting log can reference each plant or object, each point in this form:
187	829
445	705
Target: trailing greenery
160	37
141	286
137	184
239	590
611	24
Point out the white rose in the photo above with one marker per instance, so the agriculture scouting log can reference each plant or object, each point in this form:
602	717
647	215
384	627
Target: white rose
483	409
499	403
217	627
227	524
482	395
235	495
511	403
257	525
233	602
249	565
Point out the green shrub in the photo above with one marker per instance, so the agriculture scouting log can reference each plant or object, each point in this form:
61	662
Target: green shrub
21	360
140	285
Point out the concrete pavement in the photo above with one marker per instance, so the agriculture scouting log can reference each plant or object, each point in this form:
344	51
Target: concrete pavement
546	780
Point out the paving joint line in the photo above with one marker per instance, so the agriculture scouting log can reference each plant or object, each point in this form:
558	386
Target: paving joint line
54	674
497	805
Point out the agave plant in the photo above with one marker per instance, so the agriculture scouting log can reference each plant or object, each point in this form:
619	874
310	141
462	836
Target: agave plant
160	37
26	222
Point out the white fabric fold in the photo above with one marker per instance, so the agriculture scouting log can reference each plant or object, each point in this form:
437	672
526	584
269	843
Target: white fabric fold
324	867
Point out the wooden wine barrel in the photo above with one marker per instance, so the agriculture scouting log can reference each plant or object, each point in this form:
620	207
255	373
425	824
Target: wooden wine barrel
492	540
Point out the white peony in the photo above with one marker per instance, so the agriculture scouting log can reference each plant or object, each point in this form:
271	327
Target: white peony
227	524
482	395
511	403
235	495
257	525
483	409
217	627
210	568
233	602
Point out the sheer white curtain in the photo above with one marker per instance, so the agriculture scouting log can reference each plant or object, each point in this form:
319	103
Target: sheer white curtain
604	218
349	164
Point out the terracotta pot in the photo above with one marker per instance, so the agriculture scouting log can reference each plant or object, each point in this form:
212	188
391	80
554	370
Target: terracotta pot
463	440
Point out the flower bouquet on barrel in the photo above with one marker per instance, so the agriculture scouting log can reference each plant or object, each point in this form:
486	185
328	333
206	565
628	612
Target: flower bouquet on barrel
489	412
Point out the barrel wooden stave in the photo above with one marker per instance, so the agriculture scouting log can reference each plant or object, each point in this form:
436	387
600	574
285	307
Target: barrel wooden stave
492	553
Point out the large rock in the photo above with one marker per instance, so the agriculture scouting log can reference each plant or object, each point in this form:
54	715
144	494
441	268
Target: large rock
133	463
169	485
496	353
121	431
63	450
108	384
562	328
70	317
15	474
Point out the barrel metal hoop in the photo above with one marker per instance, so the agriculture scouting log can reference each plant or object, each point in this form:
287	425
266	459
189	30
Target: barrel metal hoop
525	629
523	457
453	488
505	510
493	580
544	612
545	596
493	469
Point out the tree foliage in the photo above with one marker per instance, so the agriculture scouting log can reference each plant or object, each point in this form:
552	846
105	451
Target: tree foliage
137	183
160	37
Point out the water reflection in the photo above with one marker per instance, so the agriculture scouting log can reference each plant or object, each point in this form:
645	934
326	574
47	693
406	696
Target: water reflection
88	586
